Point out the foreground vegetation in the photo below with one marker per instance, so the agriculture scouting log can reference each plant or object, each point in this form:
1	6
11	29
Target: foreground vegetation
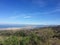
39	36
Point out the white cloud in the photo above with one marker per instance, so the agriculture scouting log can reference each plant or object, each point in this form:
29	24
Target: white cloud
27	17
57	9
20	16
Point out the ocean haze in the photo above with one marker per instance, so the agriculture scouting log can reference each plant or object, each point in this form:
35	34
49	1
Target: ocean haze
11	26
19	25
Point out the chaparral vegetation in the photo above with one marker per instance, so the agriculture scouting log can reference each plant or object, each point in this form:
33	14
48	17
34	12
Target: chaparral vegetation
38	36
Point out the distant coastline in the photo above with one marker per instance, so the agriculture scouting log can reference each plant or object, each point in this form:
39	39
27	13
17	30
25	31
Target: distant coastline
19	27
16	27
10	28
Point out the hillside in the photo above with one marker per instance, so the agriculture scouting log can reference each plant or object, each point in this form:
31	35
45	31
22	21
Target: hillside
38	36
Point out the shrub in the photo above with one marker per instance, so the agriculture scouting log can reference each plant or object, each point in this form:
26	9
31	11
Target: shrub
12	40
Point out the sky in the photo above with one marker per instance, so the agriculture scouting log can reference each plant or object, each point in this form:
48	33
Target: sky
45	12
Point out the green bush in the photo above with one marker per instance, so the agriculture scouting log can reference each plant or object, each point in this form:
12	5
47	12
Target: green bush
12	40
25	41
20	33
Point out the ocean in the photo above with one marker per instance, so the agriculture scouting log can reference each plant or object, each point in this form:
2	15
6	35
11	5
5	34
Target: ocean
11	26
20	26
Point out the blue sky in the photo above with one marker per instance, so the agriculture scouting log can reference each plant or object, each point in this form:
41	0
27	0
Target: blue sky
30	12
